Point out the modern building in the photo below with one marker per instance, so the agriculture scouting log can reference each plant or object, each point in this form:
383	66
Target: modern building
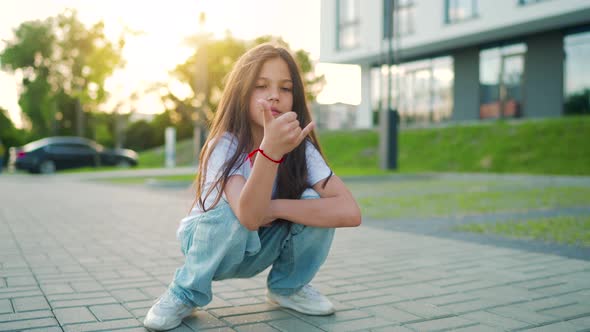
461	59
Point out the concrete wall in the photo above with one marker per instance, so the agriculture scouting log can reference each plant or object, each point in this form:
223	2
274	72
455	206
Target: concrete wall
496	20
543	81
466	86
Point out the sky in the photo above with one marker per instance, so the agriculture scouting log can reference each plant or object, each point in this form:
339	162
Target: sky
166	24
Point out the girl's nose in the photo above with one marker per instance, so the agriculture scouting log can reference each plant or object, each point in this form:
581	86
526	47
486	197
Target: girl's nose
273	95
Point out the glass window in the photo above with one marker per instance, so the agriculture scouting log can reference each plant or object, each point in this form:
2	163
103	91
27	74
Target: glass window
577	73
442	88
501	76
348	24
422	91
376	93
459	10
402	18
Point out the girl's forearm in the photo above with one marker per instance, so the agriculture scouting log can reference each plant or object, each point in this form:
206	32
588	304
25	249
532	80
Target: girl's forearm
256	195
322	212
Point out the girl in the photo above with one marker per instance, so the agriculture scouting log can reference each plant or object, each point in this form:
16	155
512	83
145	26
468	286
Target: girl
265	195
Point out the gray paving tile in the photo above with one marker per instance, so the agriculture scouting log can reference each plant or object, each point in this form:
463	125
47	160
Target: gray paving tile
259	327
110	312
569	311
356	325
422	309
561	327
110	325
30	303
45	329
392	314
51	289
74	315
442	324
201	320
338	316
260	317
492	319
27	324
5	306
293	325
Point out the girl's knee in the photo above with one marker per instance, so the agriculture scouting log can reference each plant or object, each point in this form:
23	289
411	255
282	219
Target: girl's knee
220	225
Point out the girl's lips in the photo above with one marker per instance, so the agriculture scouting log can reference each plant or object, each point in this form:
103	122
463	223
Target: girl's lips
275	111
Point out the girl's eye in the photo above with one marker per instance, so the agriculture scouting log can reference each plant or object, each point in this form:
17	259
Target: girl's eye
260	86
286	89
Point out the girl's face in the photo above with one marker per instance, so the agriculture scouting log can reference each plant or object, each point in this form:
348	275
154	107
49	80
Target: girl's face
274	85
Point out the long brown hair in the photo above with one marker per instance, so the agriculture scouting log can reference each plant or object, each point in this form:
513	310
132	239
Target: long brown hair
232	116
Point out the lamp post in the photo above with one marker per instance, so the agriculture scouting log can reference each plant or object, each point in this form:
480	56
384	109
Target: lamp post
389	123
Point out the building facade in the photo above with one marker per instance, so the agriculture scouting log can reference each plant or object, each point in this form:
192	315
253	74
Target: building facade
458	60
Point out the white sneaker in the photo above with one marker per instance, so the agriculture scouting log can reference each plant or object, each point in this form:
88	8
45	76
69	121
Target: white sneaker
167	313
307	300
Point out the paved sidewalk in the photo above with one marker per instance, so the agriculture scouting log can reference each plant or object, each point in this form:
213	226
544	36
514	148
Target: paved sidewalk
78	256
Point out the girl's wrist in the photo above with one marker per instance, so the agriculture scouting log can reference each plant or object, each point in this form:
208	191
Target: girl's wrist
271	152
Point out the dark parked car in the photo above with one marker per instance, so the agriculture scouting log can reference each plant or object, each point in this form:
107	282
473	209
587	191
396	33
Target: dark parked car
55	153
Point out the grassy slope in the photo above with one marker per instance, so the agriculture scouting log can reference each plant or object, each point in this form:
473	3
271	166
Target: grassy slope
554	146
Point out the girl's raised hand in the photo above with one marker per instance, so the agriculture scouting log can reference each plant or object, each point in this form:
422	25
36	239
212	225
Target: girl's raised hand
283	134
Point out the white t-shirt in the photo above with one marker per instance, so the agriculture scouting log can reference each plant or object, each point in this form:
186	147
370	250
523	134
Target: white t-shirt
317	170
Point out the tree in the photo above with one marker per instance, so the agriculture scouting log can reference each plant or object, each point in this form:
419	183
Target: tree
221	56
64	66
578	103
9	134
140	135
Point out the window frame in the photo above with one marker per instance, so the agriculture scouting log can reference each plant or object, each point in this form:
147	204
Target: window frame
408	6
449	20
523	3
351	24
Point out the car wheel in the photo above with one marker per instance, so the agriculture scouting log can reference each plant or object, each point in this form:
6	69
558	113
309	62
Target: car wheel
47	167
124	164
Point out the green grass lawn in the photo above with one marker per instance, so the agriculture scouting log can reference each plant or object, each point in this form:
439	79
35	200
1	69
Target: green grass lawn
555	146
468	201
566	229
548	146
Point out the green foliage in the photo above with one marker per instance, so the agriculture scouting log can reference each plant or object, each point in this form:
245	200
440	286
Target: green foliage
62	62
578	103
220	57
140	135
9	134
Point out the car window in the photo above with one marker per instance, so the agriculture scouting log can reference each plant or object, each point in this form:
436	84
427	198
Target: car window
70	148
56	148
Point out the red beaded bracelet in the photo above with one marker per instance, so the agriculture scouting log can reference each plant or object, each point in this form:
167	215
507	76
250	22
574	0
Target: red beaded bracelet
264	154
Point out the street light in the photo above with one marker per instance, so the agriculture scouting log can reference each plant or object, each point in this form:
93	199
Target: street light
389	123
